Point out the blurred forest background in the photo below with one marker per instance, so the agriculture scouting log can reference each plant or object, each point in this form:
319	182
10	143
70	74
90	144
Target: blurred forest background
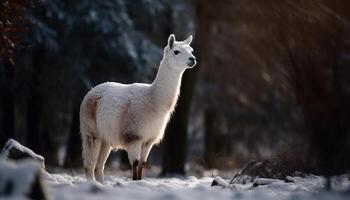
273	77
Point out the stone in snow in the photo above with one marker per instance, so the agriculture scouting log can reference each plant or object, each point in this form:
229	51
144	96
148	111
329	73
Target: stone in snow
13	150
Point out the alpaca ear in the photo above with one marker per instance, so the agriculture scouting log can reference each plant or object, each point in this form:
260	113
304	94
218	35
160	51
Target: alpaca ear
188	40
171	41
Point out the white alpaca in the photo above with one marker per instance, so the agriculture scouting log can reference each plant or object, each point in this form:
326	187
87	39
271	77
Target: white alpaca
132	117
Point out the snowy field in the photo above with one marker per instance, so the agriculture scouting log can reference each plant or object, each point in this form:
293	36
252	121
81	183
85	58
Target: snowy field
16	179
64	186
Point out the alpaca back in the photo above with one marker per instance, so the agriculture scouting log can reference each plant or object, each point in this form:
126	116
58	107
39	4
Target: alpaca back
124	113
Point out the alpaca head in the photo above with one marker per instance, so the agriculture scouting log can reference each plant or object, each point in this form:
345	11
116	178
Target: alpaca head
179	53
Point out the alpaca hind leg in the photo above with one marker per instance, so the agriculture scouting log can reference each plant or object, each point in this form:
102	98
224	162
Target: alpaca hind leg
145	150
91	147
134	151
101	161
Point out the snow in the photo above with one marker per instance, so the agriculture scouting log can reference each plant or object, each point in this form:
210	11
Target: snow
118	185
64	186
16	179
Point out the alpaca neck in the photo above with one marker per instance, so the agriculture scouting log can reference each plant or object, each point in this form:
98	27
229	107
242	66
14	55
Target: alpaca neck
166	86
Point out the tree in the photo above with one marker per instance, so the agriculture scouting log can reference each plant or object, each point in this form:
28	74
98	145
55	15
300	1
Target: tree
175	141
7	103
11	24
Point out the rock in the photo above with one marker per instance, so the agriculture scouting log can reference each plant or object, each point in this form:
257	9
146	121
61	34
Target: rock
13	150
21	179
266	181
218	181
249	172
276	167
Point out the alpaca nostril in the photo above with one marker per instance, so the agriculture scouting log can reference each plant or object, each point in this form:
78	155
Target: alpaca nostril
192	61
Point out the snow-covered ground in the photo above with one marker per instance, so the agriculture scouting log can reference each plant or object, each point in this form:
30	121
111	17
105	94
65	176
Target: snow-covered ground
64	186
21	178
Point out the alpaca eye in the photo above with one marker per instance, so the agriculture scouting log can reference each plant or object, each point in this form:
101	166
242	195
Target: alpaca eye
176	52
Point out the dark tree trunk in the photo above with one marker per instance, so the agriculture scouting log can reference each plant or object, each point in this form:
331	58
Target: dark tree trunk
341	84
50	149
74	149
175	135
34	137
7	104
205	19
73	156
39	136
175	140
209	137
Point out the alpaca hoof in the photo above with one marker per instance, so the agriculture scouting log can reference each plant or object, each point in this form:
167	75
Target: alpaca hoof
134	170
139	170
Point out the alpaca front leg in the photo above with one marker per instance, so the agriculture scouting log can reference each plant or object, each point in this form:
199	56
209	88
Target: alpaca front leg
145	150
134	158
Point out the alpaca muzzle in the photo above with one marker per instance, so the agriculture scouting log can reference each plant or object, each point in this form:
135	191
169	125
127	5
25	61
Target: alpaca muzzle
192	62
